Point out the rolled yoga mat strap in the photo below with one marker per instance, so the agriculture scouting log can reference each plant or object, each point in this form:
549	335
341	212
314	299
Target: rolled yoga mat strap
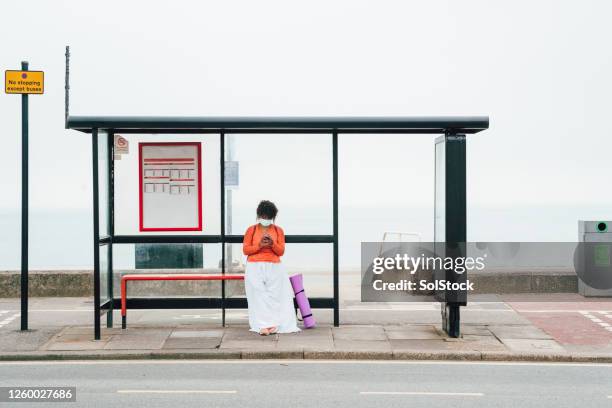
302	301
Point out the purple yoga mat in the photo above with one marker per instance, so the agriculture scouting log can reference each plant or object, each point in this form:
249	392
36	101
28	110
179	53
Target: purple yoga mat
302	301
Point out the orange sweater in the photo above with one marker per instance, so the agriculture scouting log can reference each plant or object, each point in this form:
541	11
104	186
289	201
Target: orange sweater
252	237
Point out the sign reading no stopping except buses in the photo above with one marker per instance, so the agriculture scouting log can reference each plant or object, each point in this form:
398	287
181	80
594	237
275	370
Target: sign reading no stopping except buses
24	82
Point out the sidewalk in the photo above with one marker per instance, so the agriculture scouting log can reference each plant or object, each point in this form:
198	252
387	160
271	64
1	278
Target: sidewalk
517	330
410	342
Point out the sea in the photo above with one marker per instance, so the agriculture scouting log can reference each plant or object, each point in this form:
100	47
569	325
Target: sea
62	239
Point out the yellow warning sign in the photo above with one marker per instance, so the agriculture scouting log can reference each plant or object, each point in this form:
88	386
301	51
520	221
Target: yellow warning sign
24	82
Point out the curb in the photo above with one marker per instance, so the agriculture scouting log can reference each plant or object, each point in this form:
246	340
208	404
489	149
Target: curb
306	355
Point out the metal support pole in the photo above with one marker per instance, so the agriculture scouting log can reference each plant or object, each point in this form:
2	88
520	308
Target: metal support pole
229	148
455	223
335	228
96	233
222	185
24	206
111	226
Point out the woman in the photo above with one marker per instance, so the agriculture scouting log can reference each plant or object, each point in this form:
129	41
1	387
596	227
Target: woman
268	290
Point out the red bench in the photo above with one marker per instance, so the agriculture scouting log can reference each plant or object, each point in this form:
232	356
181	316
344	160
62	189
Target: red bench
164	277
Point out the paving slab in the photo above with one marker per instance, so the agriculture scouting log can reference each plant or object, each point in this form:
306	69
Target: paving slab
477	343
588	349
477	338
192	343
386	317
533	345
141	331
320	330
361	345
477	330
411	332
359	333
416	345
130	343
76	339
319	339
198	334
235	337
266	343
17	340
479	317
77	346
518	332
146	339
240	333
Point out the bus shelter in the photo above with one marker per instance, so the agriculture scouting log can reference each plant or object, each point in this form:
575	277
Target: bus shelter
449	212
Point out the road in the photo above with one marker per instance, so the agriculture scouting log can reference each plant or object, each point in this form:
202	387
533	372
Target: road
317	384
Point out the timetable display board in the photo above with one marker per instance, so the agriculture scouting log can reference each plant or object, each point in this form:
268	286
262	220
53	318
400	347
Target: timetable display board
170	183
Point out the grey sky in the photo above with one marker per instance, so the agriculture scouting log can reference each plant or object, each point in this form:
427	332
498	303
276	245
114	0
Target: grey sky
539	69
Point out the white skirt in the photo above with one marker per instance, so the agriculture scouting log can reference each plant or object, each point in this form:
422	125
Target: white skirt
270	297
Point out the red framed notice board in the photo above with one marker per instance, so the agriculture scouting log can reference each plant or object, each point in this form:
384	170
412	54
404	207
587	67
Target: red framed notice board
170	186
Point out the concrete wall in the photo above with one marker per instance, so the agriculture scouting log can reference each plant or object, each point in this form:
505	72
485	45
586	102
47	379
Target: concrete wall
80	283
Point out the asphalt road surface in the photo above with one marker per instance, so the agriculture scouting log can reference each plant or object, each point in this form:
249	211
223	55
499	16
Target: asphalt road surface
316	384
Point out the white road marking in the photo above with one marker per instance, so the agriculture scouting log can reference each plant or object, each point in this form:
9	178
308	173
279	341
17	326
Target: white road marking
596	320
442	394
177	391
9	319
